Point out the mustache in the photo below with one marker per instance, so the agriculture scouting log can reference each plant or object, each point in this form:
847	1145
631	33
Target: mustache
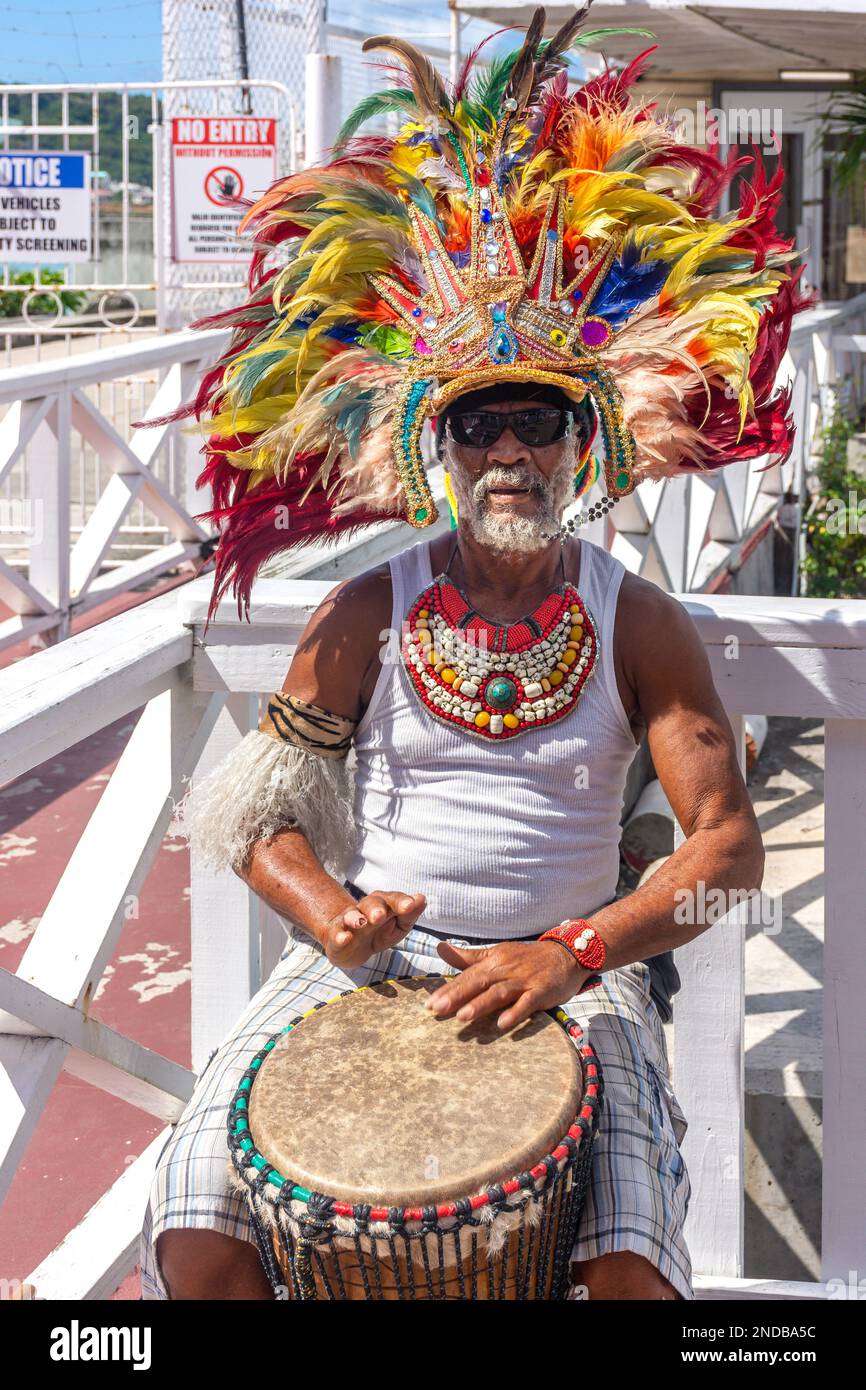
512	477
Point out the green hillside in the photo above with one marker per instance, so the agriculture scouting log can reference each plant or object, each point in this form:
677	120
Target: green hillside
110	132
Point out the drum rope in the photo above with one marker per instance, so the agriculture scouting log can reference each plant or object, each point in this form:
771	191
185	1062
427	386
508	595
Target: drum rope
316	1226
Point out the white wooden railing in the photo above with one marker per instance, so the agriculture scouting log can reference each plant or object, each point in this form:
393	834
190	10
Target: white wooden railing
793	657
681	534
56	409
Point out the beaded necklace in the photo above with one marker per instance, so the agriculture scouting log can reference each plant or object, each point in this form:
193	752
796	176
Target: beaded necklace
497	679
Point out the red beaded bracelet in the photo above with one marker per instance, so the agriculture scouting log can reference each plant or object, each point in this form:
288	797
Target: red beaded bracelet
584	943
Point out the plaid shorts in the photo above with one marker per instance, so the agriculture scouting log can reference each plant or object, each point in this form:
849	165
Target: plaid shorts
639	1186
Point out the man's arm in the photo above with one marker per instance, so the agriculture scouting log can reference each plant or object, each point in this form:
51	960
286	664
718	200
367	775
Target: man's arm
695	757
335	666
671	690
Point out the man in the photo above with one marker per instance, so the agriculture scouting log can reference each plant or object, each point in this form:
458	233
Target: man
515	489
493	730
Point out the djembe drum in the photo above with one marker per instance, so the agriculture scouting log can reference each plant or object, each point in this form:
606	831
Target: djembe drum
386	1153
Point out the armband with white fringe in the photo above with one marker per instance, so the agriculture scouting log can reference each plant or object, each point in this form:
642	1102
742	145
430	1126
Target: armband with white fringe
289	773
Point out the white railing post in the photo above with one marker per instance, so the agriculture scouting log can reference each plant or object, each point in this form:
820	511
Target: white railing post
48	459
226	916
710	1082
843	1225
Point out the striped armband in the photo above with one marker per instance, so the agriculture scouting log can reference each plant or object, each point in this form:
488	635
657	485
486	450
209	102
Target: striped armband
292	720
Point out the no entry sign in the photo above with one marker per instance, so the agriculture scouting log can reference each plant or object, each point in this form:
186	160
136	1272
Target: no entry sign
45	207
214	160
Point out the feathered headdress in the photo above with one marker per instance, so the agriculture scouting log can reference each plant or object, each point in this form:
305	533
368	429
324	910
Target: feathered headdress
510	231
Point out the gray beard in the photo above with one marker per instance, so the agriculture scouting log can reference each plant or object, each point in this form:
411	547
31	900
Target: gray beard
513	534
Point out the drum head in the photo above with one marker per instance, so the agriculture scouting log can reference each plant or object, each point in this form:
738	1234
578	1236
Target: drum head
374	1099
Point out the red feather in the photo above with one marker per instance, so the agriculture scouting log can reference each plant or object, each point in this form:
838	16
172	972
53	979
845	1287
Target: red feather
760	200
770	429
612	88
253	523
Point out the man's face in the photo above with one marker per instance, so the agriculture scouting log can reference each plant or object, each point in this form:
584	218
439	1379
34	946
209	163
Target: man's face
509	494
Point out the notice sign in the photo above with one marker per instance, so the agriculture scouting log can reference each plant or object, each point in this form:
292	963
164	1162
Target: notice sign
45	207
215	159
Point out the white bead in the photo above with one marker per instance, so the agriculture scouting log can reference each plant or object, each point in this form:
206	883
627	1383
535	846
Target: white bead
496	725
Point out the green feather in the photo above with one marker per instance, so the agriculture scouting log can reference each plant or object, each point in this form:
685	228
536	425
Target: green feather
378	104
592	36
490	89
251	374
389	341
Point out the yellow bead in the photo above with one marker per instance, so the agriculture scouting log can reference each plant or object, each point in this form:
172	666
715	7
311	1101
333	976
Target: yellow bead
458	682
433	656
555	678
482	718
560	666
557	336
511	721
576	633
423	612
574	608
545	683
448	676
569	655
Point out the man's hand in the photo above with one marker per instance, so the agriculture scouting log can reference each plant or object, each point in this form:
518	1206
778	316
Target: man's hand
376	923
525	975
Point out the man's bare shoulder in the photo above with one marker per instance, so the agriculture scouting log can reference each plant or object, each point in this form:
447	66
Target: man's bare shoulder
648	616
661	655
336	660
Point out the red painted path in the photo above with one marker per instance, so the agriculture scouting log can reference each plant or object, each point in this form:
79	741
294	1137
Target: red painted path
85	1137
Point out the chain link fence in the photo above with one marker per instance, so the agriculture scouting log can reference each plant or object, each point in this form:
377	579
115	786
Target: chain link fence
241	41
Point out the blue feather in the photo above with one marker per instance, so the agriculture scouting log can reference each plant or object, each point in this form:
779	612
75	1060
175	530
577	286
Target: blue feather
342	333
352	420
627	285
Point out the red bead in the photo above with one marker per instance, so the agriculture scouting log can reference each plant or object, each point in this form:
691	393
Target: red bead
483	176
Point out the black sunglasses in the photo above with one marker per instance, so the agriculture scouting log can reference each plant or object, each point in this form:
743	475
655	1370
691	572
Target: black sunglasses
480	428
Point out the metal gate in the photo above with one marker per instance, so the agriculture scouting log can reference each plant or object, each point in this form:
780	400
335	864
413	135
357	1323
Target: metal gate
130	286
126	294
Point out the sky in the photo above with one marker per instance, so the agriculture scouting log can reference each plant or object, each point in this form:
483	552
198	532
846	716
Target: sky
120	40
80	41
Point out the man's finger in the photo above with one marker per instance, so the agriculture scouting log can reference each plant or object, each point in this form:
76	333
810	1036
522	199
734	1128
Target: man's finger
462	956
519	1012
460	989
408	906
376	908
489	1001
353	922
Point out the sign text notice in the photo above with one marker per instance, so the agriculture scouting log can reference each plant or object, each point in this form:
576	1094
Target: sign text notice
214	161
45	207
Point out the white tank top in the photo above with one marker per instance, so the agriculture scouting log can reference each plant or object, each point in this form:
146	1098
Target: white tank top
508	838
